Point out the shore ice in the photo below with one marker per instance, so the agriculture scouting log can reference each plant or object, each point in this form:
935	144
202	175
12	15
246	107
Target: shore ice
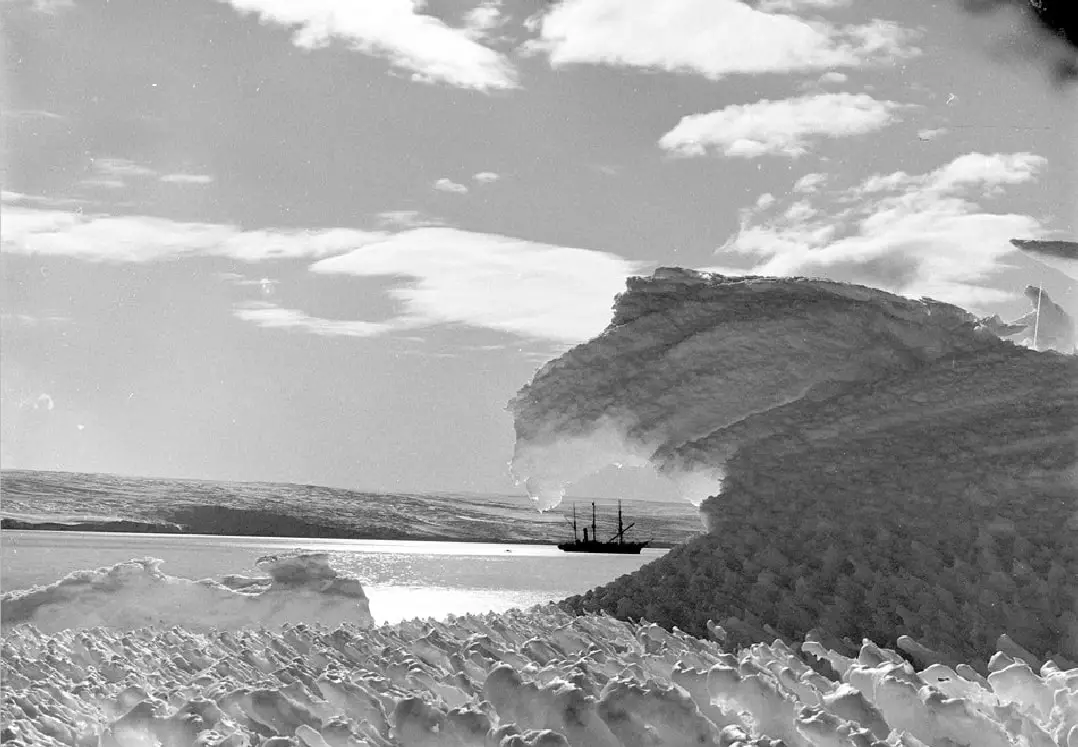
518	679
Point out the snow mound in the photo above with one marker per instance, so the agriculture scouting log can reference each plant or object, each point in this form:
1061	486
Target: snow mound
298	587
520	679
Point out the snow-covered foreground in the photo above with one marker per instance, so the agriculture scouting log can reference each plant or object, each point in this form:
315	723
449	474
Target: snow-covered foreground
539	677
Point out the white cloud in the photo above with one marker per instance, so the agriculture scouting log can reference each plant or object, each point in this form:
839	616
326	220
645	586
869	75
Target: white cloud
713	38
271	316
139	238
393	29
45	402
497	282
792	6
448	185
486	177
931	133
809	182
918	235
120	167
406	219
187	178
783	127
834	77
483	18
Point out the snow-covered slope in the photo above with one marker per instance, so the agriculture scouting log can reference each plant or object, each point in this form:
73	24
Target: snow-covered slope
540	678
872	465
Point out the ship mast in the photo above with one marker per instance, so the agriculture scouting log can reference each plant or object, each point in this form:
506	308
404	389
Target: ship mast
594	536
574	523
621	528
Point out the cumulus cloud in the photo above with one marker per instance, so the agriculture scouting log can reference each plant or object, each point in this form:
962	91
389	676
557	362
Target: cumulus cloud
784	127
486	177
187	178
714	38
391	29
483	18
448	185
140	238
914	234
497	282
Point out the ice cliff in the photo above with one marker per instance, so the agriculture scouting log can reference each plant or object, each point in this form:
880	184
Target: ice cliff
873	465
297	587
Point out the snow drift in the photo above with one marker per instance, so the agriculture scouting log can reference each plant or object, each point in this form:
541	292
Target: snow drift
298	587
873	465
522	679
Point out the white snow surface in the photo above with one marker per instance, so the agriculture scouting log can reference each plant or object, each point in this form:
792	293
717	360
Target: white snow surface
518	679
298	587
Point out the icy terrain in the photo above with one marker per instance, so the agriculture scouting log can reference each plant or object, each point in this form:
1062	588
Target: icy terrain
541	677
298	587
869	465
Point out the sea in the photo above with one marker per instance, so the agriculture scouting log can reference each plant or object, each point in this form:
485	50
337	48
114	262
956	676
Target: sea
403	579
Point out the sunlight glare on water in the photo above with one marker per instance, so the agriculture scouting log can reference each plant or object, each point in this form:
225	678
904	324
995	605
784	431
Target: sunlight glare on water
403	579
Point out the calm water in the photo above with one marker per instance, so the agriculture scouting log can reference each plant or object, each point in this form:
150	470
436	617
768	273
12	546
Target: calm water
402	579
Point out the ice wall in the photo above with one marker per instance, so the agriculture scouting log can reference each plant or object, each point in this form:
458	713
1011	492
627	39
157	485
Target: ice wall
877	466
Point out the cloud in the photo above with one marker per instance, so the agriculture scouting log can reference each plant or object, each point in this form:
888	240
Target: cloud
792	6
406	219
834	77
483	18
713	38
120	167
391	29
448	185
918	235
187	179
783	127
486	177
268	315
809	182
496	282
44	402
139	238
931	133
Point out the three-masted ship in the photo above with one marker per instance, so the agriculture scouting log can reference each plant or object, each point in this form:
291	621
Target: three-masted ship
591	543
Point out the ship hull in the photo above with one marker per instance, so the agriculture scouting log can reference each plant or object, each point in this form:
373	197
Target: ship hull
627	548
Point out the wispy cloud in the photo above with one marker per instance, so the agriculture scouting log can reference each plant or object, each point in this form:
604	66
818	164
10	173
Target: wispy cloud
483	18
792	6
714	38
834	77
786	127
120	167
497	282
406	219
140	238
915	234
395	30
268	315
30	114
486	177
448	185
187	179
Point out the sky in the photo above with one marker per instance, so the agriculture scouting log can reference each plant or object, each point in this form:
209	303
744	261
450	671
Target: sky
325	242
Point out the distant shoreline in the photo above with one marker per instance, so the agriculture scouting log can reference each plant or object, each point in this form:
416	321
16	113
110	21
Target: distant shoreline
126	526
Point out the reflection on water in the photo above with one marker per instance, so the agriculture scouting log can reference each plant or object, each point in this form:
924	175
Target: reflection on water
402	579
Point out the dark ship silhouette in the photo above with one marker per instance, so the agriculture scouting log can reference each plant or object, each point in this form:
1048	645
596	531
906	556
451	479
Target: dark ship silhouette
616	544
